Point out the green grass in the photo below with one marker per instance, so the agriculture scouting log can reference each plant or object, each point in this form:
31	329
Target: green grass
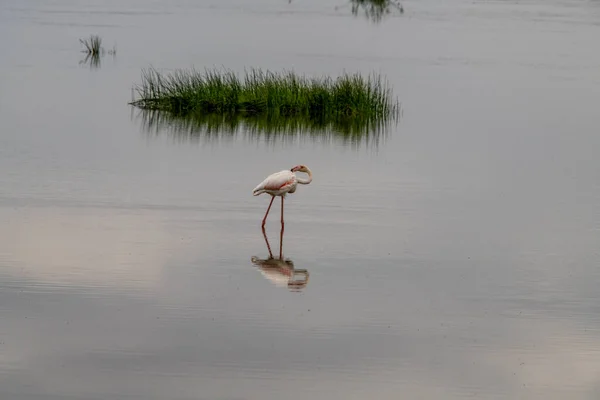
266	94
92	46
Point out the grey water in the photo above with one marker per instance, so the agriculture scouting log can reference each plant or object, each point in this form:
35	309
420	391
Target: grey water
455	256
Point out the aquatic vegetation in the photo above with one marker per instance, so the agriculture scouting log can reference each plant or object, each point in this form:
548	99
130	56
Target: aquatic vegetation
93	45
376	9
216	104
93	49
266	95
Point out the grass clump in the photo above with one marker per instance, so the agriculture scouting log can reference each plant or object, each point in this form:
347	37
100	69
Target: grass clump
265	94
92	46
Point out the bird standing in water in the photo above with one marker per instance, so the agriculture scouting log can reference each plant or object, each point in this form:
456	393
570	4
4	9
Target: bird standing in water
280	184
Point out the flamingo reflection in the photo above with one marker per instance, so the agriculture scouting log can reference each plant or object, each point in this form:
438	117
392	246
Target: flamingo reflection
280	271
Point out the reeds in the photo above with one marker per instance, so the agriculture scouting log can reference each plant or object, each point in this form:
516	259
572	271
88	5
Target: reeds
267	94
92	46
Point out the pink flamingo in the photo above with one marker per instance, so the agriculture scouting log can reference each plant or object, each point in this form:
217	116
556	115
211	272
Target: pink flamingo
280	184
281	271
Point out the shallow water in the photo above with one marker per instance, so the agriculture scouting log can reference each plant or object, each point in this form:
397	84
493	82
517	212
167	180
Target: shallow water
455	256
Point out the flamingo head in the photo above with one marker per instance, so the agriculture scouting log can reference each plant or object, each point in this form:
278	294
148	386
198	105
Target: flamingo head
300	168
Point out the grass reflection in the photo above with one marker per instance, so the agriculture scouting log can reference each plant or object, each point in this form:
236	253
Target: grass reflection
207	127
92	60
375	10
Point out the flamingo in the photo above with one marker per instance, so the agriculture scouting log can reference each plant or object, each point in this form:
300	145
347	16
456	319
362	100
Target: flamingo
280	184
281	271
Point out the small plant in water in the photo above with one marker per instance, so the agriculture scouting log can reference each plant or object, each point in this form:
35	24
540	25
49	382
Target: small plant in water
268	94
93	45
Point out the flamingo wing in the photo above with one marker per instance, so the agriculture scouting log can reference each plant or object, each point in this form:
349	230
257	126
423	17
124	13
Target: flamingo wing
278	181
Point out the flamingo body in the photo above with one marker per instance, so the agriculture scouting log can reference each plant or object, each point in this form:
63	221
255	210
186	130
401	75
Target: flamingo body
282	273
277	184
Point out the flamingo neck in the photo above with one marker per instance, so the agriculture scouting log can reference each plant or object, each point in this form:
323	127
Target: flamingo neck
306	181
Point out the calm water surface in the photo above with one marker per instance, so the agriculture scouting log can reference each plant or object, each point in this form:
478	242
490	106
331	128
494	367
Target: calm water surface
454	256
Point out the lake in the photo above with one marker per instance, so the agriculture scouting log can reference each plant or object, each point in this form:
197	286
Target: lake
454	255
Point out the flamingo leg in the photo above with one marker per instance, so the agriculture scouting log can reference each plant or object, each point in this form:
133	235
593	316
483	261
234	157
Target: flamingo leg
282	212
282	229
267	241
281	239
267	213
